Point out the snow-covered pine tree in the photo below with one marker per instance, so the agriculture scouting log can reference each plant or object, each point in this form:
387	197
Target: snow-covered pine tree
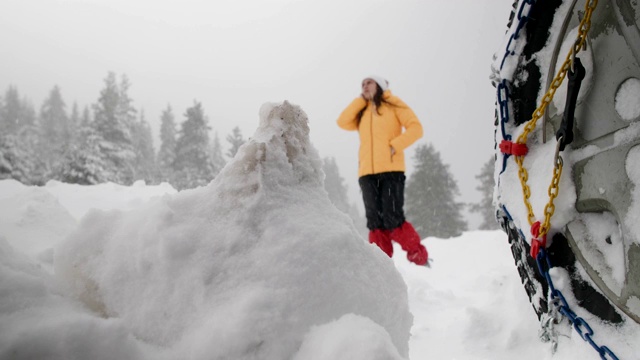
113	122
338	193
192	166
7	153
1	114
334	184
29	141
20	159
54	129
430	194
145	166
14	162
86	117
10	112
18	140
486	187
83	162
28	116
235	140
74	124
125	109
167	153
217	159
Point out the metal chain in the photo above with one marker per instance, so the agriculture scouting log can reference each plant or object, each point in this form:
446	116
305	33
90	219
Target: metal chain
583	29
522	17
559	302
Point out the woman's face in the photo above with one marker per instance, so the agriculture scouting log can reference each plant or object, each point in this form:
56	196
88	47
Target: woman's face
369	88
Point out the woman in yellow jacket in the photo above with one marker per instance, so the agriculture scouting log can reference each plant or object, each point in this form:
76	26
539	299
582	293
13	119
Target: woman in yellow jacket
380	117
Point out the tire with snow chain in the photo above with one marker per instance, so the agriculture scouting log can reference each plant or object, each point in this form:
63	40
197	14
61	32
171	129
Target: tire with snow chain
594	236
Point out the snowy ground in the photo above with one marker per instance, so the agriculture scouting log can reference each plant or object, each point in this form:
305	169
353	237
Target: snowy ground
257	265
468	305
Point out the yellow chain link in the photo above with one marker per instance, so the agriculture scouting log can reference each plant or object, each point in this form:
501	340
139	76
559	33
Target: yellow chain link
549	209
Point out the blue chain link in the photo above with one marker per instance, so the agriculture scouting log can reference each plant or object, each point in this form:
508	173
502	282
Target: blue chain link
503	103
522	20
557	299
503	87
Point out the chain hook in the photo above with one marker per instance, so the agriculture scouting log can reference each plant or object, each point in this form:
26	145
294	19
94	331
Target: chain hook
557	159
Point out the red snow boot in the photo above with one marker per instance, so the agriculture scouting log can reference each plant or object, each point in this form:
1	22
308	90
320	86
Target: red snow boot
408	238
381	238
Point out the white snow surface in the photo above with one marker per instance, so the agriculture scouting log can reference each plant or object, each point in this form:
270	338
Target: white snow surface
628	99
256	265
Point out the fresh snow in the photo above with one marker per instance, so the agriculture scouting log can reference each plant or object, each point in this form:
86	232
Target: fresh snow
628	99
256	265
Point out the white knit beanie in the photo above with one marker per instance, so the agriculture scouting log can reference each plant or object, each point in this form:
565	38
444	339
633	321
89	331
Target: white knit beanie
384	84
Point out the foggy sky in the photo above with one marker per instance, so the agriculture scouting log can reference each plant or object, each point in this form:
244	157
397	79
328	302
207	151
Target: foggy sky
233	56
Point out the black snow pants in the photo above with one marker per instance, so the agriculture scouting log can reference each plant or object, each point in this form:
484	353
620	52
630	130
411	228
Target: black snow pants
383	196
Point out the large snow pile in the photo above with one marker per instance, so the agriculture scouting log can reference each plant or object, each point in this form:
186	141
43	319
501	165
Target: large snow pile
468	305
256	265
32	219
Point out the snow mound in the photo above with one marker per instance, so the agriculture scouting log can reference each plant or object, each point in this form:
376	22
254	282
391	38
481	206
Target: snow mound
23	213
351	337
242	268
39	323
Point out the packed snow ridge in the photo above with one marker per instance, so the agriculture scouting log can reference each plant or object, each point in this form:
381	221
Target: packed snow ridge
256	265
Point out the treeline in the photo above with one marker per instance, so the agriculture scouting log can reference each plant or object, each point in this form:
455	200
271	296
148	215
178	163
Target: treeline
431	196
110	140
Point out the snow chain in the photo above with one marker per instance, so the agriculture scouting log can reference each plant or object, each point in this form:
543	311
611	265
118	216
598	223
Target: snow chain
557	304
549	209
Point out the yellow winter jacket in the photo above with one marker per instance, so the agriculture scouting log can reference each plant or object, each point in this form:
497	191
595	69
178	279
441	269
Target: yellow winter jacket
381	130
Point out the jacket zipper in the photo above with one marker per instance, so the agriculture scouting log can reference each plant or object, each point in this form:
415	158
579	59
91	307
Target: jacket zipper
371	131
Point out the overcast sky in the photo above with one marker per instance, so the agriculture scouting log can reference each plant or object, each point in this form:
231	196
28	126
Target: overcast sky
234	55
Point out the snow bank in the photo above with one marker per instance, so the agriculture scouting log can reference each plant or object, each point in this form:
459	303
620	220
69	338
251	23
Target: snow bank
79	199
39	322
32	220
242	268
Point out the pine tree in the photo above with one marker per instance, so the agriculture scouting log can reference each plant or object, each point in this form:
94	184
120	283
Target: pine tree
485	207
15	113
74	124
18	140
337	191
14	162
430	196
11	112
167	153
145	168
217	160
86	117
54	128
192	166
29	141
125	109
235	140
83	162
113	123
334	184
2	122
